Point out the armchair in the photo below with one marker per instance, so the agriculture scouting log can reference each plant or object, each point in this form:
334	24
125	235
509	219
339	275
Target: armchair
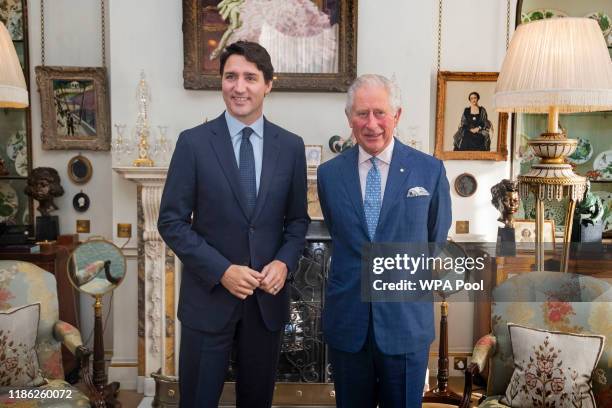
23	283
537	300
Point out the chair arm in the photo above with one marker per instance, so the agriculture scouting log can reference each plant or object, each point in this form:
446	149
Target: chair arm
68	335
483	350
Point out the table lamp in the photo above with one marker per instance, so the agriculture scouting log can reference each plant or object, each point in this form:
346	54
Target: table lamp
13	90
554	66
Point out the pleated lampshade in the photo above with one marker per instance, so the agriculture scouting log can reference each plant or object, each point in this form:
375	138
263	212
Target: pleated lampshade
13	90
562	62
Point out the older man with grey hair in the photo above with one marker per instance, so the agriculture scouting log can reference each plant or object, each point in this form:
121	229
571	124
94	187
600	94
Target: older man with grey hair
379	191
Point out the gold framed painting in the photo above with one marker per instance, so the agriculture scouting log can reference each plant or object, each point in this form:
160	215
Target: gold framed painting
312	43
467	127
74	108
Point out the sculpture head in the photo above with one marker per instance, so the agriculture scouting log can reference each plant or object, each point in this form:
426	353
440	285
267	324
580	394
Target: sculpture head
505	198
43	185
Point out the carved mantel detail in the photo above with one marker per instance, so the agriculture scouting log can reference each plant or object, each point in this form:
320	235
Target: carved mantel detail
152	252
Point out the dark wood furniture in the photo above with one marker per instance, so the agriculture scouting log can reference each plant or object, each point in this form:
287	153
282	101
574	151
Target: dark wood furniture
54	260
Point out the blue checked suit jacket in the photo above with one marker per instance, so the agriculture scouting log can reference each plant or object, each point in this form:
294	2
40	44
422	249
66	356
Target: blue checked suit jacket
398	327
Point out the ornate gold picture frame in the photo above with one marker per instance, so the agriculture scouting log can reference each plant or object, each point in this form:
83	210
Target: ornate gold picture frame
465	131
74	107
313	44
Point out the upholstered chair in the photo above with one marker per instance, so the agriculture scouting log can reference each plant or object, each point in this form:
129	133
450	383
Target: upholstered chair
23	283
551	301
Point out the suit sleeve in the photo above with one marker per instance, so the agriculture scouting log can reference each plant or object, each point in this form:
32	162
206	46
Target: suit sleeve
174	223
296	214
440	213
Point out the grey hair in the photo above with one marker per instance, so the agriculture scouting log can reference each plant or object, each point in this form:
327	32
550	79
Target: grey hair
374	80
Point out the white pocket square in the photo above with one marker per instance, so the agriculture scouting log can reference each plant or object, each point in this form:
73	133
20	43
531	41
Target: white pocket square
417	192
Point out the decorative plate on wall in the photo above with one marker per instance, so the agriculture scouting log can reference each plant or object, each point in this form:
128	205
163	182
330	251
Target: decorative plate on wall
604	23
606	200
553	210
465	185
541	14
583	152
16	150
603	165
11	14
9	203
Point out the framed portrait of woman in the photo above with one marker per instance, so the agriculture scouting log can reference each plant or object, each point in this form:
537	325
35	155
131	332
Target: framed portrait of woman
312	43
467	126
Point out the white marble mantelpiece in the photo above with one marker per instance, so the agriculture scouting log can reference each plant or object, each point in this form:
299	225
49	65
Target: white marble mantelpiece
157	282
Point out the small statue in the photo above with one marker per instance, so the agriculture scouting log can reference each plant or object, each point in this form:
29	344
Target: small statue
506	200
590	209
43	186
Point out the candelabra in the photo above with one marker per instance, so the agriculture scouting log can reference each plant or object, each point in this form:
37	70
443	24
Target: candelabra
142	129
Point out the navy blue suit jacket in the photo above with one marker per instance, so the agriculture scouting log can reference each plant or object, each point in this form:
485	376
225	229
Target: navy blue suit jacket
203	181
398	327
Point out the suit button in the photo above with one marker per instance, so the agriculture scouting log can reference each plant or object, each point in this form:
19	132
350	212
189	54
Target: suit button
251	229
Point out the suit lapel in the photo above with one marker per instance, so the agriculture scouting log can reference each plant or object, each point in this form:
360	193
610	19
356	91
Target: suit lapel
271	149
398	173
222	145
350	174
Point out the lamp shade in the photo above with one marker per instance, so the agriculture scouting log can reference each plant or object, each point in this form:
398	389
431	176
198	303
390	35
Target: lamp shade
13	90
560	62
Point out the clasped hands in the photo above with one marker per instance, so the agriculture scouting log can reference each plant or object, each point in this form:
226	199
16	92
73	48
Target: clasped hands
475	129
241	281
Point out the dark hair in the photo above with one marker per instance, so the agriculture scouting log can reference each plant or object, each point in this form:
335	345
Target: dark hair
474	93
252	52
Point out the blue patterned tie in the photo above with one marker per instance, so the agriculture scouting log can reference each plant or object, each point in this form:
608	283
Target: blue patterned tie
247	169
372	202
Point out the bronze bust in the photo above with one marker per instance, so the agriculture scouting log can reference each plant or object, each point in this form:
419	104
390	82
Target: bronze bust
505	198
43	186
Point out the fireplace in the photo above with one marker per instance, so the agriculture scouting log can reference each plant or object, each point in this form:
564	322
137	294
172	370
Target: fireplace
303	376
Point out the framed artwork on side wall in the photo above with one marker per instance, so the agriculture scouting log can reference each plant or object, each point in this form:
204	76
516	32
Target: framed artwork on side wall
467	126
312	43
75	108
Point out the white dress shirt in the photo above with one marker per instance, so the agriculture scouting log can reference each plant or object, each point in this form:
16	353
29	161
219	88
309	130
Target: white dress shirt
383	163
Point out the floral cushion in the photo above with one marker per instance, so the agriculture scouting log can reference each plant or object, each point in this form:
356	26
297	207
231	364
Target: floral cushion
552	369
541	300
18	360
23	283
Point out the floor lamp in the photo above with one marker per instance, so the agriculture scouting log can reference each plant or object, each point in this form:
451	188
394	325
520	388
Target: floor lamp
554	66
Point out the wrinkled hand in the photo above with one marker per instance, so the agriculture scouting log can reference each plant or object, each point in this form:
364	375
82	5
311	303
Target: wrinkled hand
275	274
241	281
